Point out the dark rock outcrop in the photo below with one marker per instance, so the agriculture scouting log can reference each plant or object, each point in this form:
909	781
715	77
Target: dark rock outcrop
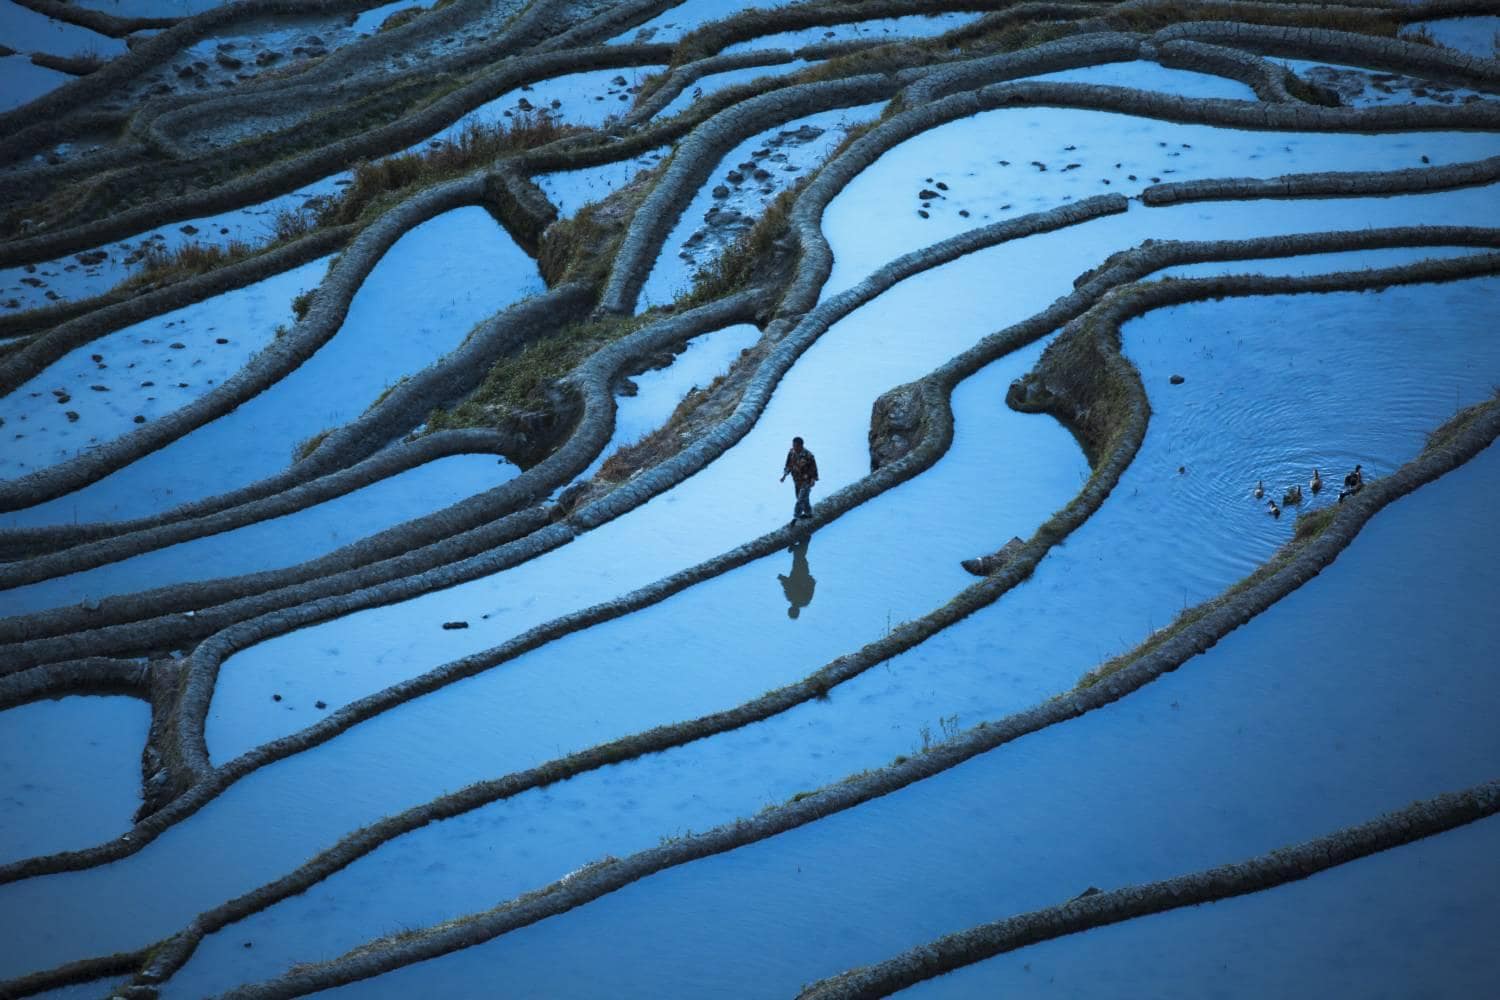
896	424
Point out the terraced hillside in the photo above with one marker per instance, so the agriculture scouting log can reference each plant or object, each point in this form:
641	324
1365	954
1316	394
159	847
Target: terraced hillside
398	597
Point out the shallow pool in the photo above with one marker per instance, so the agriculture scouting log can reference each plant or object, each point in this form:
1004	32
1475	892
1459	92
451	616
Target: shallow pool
418	303
70	772
147	369
1325	711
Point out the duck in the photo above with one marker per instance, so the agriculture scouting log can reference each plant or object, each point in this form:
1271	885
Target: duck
1260	489
1355	479
1317	481
1272	509
1292	495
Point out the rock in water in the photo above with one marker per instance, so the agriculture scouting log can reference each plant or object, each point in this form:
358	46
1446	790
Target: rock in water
995	561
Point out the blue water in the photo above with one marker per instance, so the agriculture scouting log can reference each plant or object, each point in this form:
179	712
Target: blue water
1418	920
1004	658
1330	708
281	541
24	30
1143	75
661	664
418	303
70	772
302	787
658	666
147	369
906	332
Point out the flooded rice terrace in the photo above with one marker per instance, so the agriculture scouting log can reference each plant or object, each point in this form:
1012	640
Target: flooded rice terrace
404	589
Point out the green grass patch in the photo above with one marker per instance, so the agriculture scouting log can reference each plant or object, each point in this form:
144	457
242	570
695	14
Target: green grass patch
582	246
523	382
308	446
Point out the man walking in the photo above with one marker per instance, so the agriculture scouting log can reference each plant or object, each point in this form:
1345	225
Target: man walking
803	469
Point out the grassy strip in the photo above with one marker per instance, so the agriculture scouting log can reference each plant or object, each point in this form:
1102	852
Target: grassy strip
1150	18
526	381
580	247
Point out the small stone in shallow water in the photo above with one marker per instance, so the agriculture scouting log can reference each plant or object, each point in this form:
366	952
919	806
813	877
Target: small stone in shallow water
923	214
275	697
320	704
177	345
221	340
140	419
1177	380
72	416
453	625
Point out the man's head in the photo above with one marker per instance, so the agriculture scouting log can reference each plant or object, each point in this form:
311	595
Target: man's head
797	444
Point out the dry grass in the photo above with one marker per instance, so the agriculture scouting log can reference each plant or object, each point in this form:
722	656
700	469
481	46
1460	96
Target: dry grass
378	183
161	266
400	18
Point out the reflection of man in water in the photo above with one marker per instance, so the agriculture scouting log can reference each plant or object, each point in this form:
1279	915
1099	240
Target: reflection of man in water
799	586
